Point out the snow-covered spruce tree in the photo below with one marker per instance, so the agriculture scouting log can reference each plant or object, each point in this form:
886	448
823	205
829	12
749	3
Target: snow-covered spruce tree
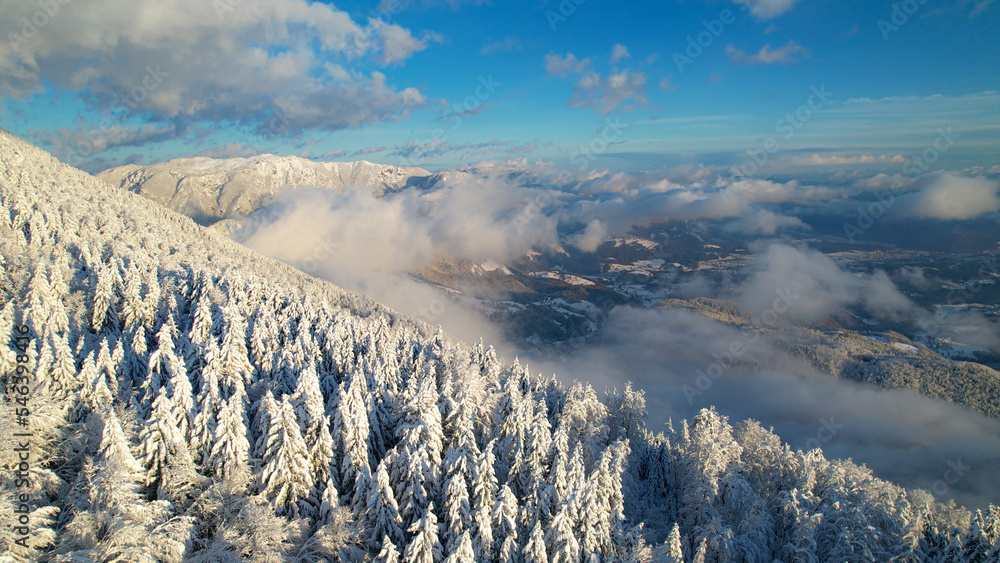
380	516
262	335
161	359
504	518
415	460
673	551
129	528
94	392
352	423
425	545
205	419
60	379
313	423
388	553
160	439
181	396
236	371
107	369
230	447
39	311
286	479
457	512
534	550
463	552
104	300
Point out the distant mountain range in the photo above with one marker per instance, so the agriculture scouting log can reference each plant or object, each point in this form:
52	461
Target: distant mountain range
210	189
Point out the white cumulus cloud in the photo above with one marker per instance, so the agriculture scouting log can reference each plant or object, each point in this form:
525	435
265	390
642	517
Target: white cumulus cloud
946	196
278	66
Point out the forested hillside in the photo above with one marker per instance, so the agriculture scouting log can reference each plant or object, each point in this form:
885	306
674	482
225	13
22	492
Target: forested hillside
171	396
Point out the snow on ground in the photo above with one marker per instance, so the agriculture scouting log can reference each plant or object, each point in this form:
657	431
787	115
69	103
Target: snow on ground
565	278
897	345
905	347
948	348
638	266
492	266
646	243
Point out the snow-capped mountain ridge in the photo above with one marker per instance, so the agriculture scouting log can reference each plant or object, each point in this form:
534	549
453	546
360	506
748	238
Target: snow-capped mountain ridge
209	189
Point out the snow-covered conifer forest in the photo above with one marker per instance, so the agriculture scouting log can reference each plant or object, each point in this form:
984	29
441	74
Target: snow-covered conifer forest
172	396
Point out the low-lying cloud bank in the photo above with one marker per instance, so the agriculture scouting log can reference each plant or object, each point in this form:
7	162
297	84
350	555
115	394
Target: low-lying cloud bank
373	245
364	235
946	196
814	287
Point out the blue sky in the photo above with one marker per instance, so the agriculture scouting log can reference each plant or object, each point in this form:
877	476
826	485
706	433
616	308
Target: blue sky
447	83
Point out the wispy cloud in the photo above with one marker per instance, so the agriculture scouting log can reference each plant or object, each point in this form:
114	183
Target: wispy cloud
819	160
606	94
466	150
394	6
562	66
370	150
594	90
618	53
850	32
767	9
790	53
86	142
505	45
978	6
231	150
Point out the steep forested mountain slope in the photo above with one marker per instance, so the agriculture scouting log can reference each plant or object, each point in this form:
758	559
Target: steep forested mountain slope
187	400
210	189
